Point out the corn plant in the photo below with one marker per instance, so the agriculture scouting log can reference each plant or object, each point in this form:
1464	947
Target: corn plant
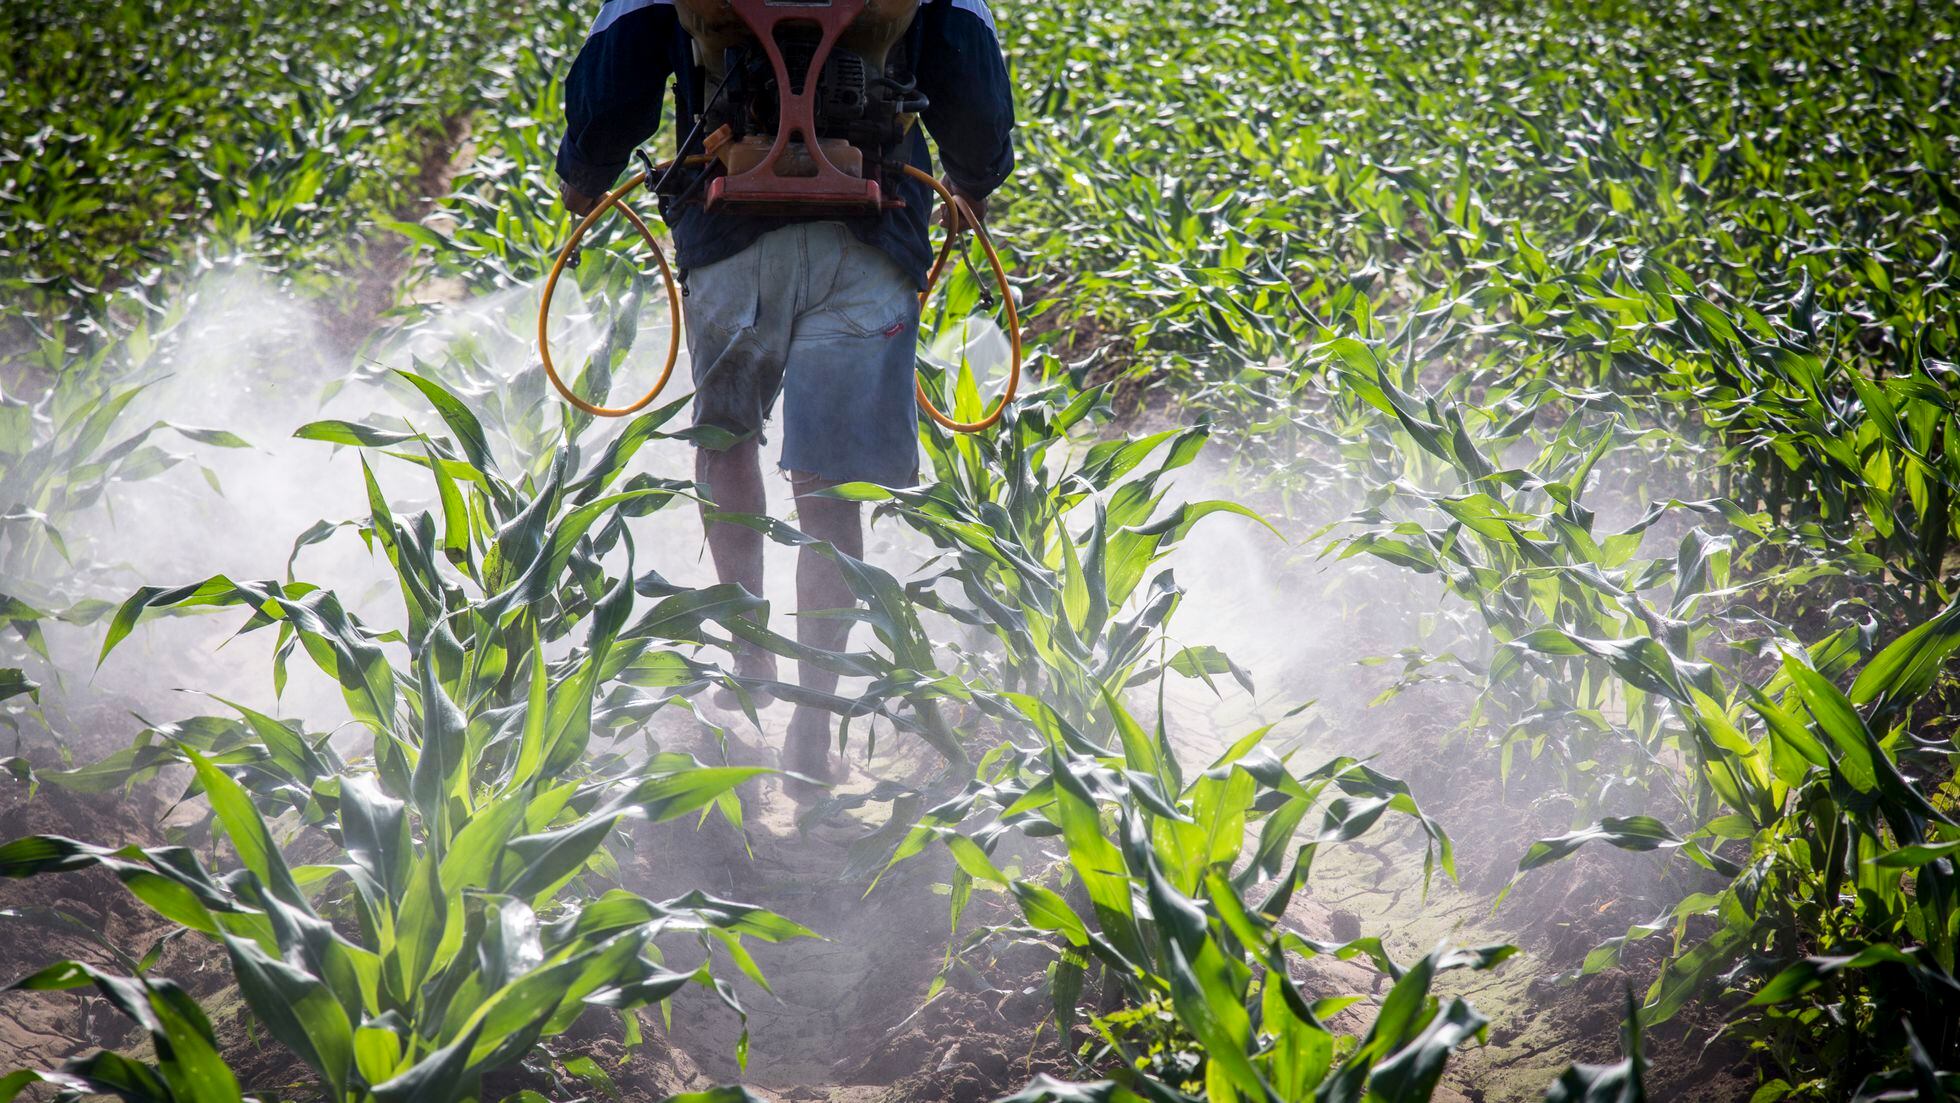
1166	908
1464	277
61	455
273	133
1813	431
1052	601
188	1067
505	204
467	952
1845	901
1586	664
1520	546
1163	865
476	822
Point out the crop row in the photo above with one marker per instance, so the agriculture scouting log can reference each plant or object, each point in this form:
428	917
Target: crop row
1466	274
1470	276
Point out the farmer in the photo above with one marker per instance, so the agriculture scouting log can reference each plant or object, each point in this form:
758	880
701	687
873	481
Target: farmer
825	310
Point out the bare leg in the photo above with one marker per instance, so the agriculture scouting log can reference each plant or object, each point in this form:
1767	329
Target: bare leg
820	586
733	479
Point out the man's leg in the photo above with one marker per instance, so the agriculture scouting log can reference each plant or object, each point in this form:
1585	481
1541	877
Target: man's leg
733	478
820	586
848	416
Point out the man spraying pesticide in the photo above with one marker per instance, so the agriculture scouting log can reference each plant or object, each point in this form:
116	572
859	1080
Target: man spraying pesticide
798	203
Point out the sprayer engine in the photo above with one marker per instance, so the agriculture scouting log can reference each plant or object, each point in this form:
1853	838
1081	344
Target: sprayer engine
813	101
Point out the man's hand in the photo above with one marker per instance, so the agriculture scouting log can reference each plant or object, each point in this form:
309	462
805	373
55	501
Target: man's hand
576	201
977	203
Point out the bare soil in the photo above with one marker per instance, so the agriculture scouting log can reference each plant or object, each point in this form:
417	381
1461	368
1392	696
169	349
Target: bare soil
40	1028
848	1016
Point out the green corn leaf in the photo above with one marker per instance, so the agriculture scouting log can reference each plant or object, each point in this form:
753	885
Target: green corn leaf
14	683
455	517
463	424
1684	976
537	713
246	830
354	434
1627	833
1905	670
297	1009
1916	855
1835	716
1639	833
438	1078
374	829
588	1070
508	1022
536	864
141	1087
188	1060
1046	910
1410	1074
470	861
419	929
972	859
440	772
1811	972
731	1093
666	796
377	1051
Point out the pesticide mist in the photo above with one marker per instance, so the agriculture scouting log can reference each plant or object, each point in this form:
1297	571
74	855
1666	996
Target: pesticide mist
1461	607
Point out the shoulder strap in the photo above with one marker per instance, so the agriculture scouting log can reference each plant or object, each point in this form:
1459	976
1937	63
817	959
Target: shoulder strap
611	10
979	8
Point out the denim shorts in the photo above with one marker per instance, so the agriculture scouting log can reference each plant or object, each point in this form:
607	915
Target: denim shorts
831	323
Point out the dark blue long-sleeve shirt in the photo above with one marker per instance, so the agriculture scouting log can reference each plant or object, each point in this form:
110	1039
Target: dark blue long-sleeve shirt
613	103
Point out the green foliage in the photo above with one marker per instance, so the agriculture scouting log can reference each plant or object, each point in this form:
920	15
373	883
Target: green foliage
188	1068
270	131
155	141
1488	280
1161	869
1630	326
474	829
1157	868
453	972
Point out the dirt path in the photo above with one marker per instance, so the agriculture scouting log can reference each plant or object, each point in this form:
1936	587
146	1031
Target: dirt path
847	1017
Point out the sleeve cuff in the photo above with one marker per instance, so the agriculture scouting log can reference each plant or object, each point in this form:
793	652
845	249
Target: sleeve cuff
983	186
588	178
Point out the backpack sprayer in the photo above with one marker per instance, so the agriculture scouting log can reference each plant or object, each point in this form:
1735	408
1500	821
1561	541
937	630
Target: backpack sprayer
804	120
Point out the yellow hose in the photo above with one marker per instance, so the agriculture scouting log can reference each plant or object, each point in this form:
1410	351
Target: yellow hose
612	199
961	218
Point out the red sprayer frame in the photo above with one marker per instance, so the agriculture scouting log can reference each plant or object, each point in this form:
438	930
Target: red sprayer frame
763	186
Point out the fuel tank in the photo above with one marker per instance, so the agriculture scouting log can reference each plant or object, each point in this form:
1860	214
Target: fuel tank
716	25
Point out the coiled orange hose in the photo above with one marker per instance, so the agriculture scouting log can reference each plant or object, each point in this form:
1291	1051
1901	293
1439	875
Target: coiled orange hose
612	198
961	218
964	218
